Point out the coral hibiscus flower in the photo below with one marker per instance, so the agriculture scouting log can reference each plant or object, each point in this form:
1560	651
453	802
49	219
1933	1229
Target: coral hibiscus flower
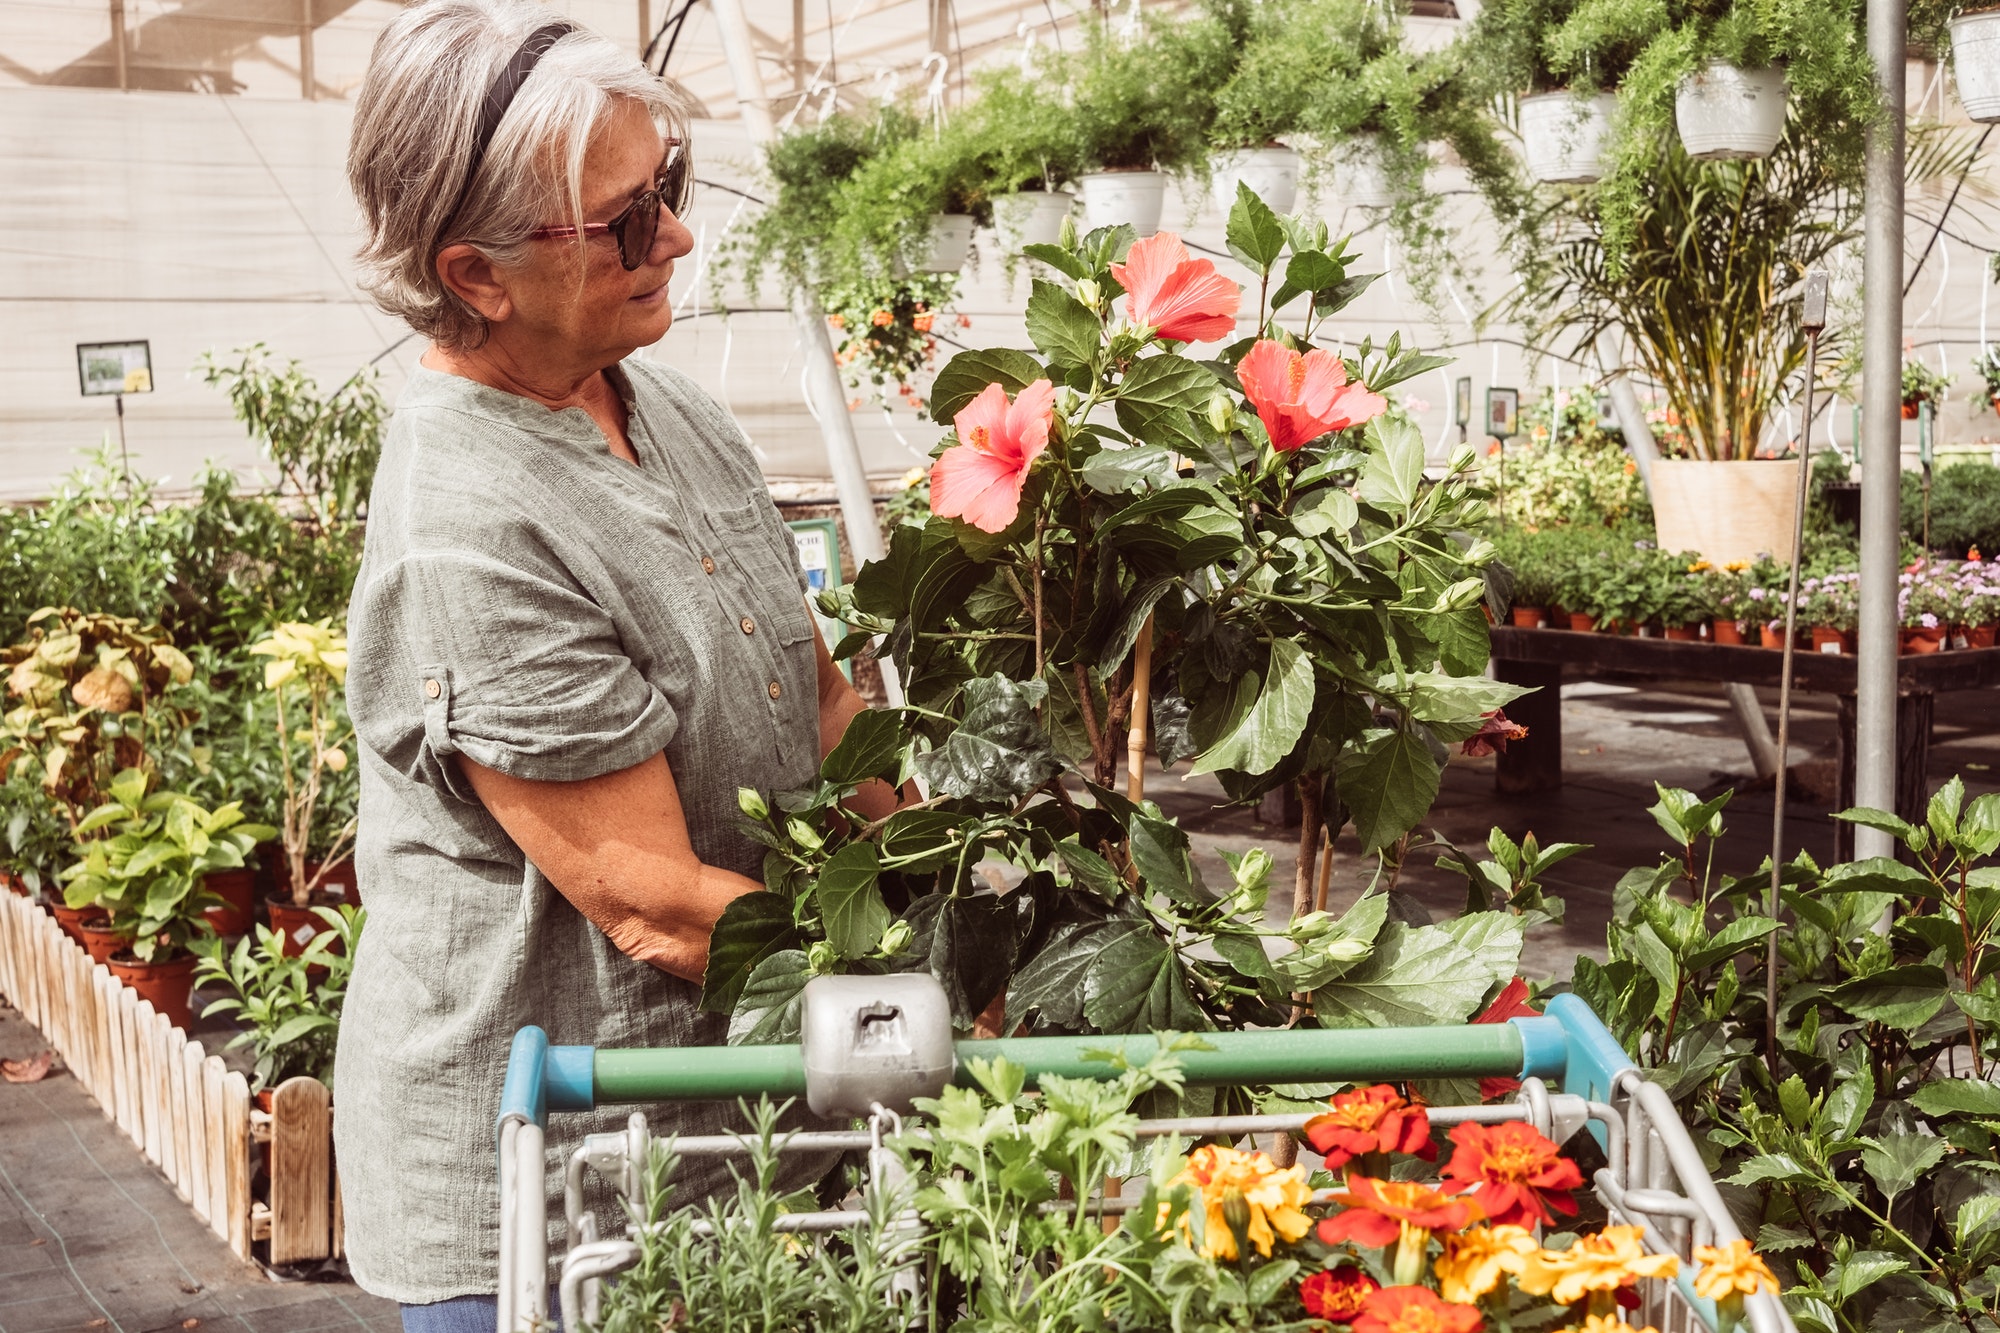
1493	734
1608	1261
1337	1294
1176	295
1415	1310
1519	1173
1511	1002
979	479
1268	1200
1379	1212
1302	396
1369	1120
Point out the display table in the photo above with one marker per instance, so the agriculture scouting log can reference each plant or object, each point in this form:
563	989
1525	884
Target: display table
1542	657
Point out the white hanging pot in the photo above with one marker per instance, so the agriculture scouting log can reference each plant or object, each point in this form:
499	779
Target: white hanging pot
1975	59
1030	217
1271	173
1563	136
1358	177
1725	112
950	243
1130	197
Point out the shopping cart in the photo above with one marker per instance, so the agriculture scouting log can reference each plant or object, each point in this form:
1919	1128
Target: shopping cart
872	1043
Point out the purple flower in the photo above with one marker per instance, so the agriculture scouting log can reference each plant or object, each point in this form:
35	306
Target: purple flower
1927	620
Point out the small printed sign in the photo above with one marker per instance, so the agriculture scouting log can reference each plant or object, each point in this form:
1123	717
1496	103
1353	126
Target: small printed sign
1461	398
818	543
1503	413
103	369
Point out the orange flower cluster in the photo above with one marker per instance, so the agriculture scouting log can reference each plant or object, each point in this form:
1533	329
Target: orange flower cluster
1370	1120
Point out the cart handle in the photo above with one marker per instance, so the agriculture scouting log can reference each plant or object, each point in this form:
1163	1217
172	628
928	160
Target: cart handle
1569	1045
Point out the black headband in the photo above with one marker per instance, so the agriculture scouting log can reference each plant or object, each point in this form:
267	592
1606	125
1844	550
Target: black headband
501	96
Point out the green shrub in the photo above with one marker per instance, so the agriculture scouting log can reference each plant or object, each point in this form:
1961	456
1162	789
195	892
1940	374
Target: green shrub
1965	509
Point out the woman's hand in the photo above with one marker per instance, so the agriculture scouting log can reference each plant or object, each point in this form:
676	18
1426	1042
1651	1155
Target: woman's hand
838	706
617	847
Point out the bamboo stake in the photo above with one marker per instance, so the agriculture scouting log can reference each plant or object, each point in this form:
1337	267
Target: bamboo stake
1142	706
1325	866
1285	1151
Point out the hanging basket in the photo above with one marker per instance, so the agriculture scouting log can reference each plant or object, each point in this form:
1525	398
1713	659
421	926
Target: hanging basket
1132	198
1271	173
1564	136
950	243
1975	60
1030	217
1359	179
1728	113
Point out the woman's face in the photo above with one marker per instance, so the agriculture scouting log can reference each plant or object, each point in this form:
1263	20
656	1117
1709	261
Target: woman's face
582	299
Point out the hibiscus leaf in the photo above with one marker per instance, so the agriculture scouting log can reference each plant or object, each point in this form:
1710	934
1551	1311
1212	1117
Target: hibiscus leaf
1897	1161
1337	295
968	942
1904	998
1051	984
966	374
1060	260
1395	468
1088	870
1413	978
1437	697
1132	616
1160	852
1133	468
999	752
1135	984
1313	271
869	748
1388	778
1252	232
1273	725
768	1014
1062	326
850	900
753	928
1494	938
1158	381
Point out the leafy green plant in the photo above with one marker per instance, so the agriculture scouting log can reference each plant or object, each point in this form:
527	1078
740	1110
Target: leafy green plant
1987	366
305	674
147	874
1282	55
290	1019
36	835
884	331
1567	469
1144	103
1018	130
325	445
1921	384
1964	509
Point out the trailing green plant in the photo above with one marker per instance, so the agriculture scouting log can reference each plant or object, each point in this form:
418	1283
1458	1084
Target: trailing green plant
1987	366
325	445
147	872
804	169
1282	55
1921	384
1017	129
36	834
1143	102
290	1019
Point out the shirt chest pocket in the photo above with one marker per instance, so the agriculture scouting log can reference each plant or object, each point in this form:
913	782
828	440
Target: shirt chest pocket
747	552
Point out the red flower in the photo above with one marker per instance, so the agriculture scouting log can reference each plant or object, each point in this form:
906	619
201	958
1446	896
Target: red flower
922	321
1337	1294
1415	1310
1511	1002
1493	734
979	479
1176	295
1302	397
1518	1173
1368	1120
1378	1211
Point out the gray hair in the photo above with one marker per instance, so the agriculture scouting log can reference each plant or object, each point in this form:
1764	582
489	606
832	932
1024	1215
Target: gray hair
414	126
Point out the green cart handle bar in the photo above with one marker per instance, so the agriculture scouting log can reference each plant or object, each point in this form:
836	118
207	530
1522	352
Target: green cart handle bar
1569	1047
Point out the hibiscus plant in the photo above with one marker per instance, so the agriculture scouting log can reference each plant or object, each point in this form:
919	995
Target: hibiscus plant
1235	559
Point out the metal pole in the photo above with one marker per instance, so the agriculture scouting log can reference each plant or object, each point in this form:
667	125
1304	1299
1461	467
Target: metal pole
118	43
306	79
829	396
1632	425
1881	402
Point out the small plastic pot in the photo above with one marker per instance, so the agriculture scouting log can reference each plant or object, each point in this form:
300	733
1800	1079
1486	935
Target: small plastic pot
1727	632
238	891
100	941
1583	622
165	984
298	925
1833	641
1530	617
1683	633
1918	641
71	919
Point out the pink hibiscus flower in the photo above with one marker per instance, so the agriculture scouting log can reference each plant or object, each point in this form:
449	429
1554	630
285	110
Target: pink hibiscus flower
979	479
1302	397
1176	295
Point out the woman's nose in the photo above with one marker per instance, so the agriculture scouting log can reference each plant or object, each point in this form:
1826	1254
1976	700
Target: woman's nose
672	239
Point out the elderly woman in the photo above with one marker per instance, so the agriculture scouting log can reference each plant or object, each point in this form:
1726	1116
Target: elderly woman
579	627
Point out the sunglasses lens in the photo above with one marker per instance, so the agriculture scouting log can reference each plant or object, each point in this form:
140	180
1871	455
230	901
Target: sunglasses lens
642	224
677	186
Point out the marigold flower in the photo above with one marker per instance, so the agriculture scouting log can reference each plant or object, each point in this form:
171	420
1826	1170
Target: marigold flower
979	479
1599	1323
1518	1173
922	321
1700	567
838	321
1269	1200
1611	1259
1338	1293
1731	1270
1475	1260
1176	295
1379	1212
1415	1310
1367	1120
882	319
1302	396
1493	734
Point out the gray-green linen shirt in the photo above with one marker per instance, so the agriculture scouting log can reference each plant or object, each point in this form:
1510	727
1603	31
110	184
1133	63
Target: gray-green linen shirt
535	604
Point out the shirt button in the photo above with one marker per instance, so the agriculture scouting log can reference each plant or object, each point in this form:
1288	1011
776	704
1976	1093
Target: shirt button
708	564
432	689
776	689
750	627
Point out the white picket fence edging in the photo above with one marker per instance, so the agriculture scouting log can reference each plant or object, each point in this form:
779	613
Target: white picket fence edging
189	1114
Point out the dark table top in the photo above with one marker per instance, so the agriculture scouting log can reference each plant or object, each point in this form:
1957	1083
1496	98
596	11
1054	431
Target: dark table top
1823	673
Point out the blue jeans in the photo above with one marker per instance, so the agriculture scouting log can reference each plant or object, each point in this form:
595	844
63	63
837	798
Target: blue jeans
461	1314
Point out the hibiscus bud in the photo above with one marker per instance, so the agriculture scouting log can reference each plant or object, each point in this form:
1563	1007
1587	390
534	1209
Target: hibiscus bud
1481	552
803	834
1474	512
1462	458
822	957
896	938
1221	412
1088	292
1461	595
751	804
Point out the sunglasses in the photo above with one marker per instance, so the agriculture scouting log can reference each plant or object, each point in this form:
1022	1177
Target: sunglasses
638	226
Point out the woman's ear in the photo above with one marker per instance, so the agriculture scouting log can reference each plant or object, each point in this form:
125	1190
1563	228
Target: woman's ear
474	279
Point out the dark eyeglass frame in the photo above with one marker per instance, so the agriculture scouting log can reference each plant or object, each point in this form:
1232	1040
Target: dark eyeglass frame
638	226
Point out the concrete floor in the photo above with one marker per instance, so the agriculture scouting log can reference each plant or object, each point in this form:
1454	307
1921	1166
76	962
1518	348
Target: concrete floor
91	1237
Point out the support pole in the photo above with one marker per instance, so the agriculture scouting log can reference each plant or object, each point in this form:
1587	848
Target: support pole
829	396
306	79
1142	706
1881	417
1632	425
118	43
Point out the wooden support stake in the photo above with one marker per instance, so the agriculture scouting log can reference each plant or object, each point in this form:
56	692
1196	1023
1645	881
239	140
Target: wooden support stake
301	1171
1142	706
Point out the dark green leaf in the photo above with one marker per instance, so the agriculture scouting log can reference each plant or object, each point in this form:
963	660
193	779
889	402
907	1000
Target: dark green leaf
1268	730
1062	326
1134	468
999	751
1901	829
1313	271
1132	616
1415	977
1394	472
1388	778
1160	852
869	748
1090	871
1877	874
967	942
926	834
751	929
1134	984
768	1013
1337	296
1901	997
1168	381
1059	259
1898	1161
1252	231
1051	984
850	900
1957	1096
966	374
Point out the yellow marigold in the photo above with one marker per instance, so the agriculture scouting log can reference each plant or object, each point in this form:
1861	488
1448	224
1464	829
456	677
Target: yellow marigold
1730	1270
1267	1201
1599	1323
1611	1259
1700	567
1474	1261
1737	566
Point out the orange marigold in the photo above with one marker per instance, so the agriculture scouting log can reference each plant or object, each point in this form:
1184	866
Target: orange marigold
1366	1120
1269	1200
1380	1211
1607	1261
1337	1293
1732	1269
1519	1173
1415	1310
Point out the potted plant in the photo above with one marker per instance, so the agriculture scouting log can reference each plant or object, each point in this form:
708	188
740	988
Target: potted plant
1683	597
804	171
910	207
1283	53
146	874
1141	110
1975	59
884	332
1020	133
1979	604
1987	366
1922	385
288	1002
1536	589
1830	607
1728	602
1564	63
305	674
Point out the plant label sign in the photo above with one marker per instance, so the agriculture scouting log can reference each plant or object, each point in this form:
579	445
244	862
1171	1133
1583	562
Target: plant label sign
818	543
1503	413
103	369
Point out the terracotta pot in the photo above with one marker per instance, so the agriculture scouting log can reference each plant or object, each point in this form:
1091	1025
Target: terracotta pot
1835	641
13	882
1583	622
1728	632
263	1097
1771	636
1922	640
1980	636
1910	411
1683	633
298	924
238	891
71	919
1531	617
338	883
100	941
164	984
